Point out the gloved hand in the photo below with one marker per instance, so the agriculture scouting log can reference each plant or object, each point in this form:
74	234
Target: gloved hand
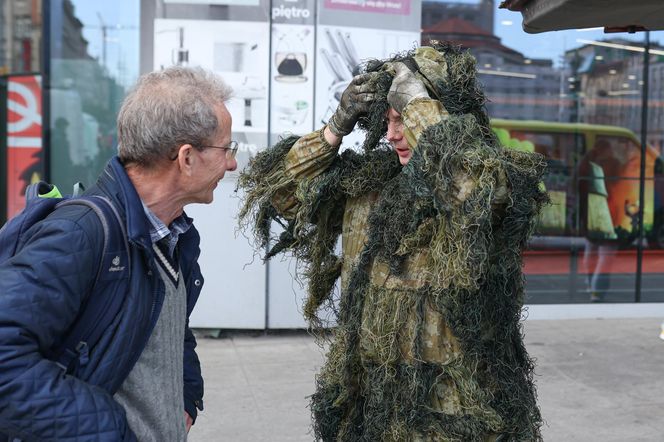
354	103
405	87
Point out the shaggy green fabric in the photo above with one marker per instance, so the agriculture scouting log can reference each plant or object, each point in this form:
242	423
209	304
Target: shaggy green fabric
313	235
474	273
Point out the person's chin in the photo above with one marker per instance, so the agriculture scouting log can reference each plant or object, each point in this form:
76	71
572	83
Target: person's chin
404	156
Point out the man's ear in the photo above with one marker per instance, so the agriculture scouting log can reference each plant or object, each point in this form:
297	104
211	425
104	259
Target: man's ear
187	158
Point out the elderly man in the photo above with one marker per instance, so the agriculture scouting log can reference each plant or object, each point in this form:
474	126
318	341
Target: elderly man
428	343
142	379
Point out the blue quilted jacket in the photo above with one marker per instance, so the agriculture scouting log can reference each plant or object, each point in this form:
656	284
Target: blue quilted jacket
42	289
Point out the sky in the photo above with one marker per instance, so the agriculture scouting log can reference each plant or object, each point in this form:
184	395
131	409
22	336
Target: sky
122	36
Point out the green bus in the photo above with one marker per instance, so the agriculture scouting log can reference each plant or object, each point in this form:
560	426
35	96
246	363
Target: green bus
592	180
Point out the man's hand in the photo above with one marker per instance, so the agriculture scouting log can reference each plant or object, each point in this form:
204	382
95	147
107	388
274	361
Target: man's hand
354	103
405	87
188	421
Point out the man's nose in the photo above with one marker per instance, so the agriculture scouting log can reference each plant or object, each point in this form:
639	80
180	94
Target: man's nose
231	164
394	132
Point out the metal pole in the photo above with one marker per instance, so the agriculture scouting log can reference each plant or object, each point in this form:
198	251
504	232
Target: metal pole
3	149
642	173
46	88
269	140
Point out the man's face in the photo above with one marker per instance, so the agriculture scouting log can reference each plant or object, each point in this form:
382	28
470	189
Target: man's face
396	138
213	163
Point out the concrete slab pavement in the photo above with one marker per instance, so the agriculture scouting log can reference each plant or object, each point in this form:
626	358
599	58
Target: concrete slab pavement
597	379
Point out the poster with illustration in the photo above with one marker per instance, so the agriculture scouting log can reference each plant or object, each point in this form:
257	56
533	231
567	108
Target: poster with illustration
292	73
292	79
25	163
341	51
239	52
348	33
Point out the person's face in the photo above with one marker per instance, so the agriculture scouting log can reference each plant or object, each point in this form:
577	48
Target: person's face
396	138
212	163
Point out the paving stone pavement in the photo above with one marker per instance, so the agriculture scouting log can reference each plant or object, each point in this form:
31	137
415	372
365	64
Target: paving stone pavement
597	379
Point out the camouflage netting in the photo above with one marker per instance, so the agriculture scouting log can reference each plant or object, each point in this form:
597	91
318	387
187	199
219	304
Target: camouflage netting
438	354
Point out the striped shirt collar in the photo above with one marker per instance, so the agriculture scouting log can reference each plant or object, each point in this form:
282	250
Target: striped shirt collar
159	230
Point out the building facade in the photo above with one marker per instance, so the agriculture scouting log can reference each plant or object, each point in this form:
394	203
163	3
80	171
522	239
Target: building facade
575	97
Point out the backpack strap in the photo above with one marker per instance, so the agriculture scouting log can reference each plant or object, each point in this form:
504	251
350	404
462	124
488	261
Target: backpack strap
106	296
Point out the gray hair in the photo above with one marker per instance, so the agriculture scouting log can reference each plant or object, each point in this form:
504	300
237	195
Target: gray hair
167	109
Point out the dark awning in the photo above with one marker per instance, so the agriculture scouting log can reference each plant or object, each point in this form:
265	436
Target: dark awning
613	15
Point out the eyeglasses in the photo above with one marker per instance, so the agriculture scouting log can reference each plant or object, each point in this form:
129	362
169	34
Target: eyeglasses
230	149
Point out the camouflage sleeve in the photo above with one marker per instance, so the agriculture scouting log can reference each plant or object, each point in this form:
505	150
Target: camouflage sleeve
309	157
418	115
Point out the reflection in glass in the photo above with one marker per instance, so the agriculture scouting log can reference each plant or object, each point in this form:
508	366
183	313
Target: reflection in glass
653	256
20	36
89	75
575	97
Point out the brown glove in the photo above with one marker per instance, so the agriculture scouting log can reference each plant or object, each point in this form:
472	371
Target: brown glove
354	103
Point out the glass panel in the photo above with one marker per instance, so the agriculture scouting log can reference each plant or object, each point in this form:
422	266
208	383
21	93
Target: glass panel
20	36
573	96
94	59
653	255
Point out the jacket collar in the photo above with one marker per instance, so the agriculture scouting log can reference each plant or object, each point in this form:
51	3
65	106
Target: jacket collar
116	183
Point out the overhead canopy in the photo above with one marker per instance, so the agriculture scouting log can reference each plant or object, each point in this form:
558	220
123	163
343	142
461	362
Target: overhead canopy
613	15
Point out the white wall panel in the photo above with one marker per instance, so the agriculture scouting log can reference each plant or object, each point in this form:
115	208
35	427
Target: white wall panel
234	292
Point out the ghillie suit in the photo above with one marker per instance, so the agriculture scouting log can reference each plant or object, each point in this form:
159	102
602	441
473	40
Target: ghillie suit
428	344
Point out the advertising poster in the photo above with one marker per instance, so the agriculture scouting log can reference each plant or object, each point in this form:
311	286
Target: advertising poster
341	50
24	138
348	33
239	52
292	99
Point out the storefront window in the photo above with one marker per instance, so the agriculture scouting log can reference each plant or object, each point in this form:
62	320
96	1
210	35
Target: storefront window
93	60
575	96
652	264
20	36
20	101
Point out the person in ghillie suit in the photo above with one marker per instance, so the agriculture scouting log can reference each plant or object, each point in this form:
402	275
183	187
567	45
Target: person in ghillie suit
428	344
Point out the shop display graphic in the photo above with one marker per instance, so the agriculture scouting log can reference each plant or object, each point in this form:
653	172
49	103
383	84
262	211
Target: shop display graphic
291	58
293	114
180	55
232	57
342	61
342	51
292	79
238	51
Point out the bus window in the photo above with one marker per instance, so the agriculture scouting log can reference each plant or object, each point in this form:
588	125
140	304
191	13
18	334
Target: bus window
620	159
559	150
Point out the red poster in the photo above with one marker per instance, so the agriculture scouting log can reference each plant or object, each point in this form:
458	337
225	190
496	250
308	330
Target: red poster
24	138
